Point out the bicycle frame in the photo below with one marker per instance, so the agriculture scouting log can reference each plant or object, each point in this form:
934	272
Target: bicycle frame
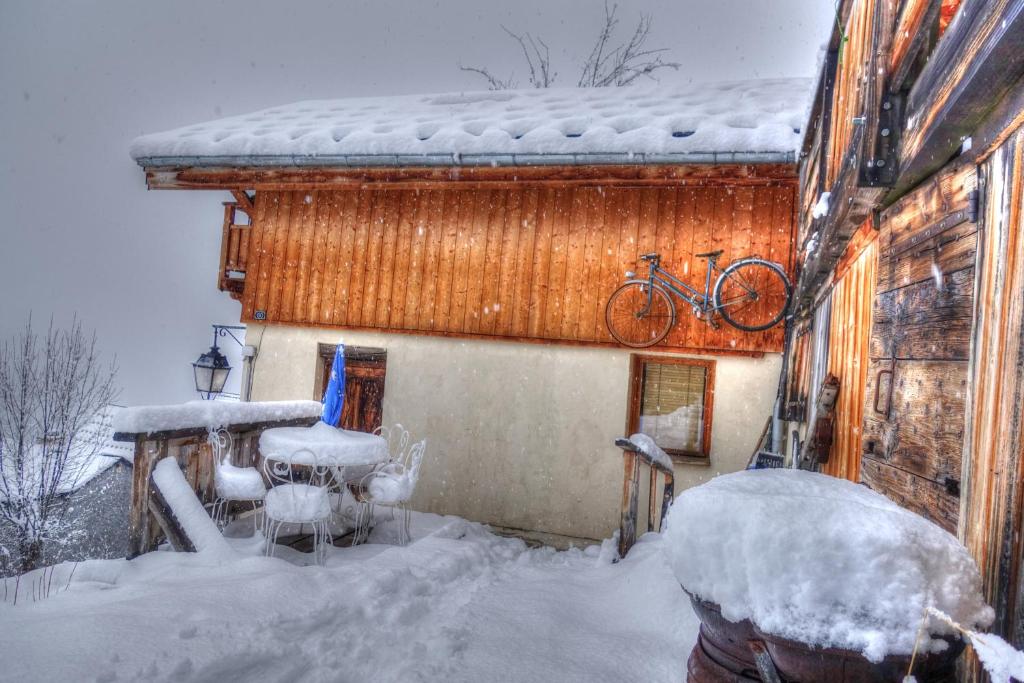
669	282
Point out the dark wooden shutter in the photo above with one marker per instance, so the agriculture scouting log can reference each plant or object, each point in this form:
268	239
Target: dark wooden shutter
365	371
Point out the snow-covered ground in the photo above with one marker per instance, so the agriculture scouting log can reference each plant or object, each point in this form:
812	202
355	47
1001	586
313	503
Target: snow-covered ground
458	604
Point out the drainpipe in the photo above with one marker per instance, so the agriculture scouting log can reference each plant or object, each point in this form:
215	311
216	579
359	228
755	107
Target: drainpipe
248	366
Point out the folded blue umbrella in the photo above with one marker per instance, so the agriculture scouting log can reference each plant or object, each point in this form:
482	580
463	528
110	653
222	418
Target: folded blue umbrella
334	394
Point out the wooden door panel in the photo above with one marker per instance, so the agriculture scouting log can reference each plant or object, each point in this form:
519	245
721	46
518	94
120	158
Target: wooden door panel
947	253
931	319
917	494
918	435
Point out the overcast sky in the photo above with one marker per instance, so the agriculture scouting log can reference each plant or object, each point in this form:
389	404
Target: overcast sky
78	81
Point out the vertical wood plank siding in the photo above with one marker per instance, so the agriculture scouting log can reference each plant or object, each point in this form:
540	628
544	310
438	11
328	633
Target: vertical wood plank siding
516	262
849	94
994	445
849	334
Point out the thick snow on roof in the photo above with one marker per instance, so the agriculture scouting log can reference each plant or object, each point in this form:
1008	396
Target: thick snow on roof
744	121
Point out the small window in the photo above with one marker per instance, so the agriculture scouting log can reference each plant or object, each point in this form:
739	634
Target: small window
671	402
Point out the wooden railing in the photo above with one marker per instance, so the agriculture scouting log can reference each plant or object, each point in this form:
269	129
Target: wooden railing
195	456
641	468
234	250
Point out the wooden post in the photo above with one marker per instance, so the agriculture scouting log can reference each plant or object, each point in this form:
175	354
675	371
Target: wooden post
652	500
146	456
666	498
627	527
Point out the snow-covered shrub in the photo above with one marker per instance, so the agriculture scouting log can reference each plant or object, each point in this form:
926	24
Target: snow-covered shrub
51	388
821	560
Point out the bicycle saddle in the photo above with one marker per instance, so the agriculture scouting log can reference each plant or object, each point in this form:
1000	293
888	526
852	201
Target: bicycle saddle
650	257
711	254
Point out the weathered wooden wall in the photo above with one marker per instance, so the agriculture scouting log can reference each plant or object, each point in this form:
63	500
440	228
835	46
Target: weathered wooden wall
920	345
852	296
994	445
518	261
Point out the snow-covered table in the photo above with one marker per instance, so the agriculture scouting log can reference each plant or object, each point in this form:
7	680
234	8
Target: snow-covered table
323	445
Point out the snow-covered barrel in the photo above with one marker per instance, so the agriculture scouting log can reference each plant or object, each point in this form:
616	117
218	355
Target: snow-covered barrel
817	579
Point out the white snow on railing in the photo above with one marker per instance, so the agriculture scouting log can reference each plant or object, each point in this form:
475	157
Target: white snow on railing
210	414
652	450
187	509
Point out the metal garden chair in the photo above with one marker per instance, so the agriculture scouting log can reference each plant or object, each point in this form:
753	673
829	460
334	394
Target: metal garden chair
291	500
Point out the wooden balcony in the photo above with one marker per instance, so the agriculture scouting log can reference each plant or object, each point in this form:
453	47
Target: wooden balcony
234	250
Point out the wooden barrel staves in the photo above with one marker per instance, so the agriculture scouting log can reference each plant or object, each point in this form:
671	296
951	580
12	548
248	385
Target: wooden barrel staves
731	652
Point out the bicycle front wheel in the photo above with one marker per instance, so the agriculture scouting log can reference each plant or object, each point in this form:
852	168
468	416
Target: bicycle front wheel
752	294
639	315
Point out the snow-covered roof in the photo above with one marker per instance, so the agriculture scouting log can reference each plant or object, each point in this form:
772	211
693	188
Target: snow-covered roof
92	453
741	121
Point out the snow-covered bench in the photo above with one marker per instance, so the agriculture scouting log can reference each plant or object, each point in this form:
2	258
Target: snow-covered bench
181	431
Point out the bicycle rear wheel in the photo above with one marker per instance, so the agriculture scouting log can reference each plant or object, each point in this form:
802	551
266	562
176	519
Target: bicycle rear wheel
752	294
639	315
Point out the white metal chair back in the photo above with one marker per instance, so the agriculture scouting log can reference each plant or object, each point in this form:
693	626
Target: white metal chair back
231	483
303	466
221	443
413	463
397	437
399	482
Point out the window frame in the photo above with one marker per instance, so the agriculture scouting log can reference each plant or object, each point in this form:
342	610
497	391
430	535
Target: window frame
637	365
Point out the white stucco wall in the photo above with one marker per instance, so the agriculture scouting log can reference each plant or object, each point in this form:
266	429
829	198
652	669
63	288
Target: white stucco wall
519	435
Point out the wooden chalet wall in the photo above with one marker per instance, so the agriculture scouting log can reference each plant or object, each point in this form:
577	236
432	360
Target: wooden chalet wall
850	321
994	446
920	345
516	261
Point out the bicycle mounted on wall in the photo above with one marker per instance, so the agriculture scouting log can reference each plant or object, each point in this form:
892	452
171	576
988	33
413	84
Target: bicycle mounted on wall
750	294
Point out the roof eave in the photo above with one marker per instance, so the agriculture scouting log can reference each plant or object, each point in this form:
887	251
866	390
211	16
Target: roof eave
469	160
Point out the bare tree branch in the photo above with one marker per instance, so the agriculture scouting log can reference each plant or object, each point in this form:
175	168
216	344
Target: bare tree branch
50	389
493	83
626	62
605	66
538	61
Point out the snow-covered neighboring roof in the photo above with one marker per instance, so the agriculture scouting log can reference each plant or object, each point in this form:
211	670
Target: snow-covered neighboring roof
99	430
92	453
741	121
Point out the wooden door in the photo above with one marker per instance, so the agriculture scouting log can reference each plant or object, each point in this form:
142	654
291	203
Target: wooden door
914	400
365	371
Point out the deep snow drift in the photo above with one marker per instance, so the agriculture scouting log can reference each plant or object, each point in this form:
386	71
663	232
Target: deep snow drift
458	604
821	560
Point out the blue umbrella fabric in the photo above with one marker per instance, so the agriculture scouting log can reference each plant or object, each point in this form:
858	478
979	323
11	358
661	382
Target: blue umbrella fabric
334	394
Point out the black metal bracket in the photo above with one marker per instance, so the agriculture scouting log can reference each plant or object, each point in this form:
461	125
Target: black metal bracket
880	170
225	331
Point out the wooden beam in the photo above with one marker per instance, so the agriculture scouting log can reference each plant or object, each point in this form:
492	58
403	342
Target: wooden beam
245	202
850	205
975	64
912	34
191	178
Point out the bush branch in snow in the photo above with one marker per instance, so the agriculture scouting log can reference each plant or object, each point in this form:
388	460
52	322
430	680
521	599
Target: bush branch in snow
50	387
538	60
621	65
608	64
